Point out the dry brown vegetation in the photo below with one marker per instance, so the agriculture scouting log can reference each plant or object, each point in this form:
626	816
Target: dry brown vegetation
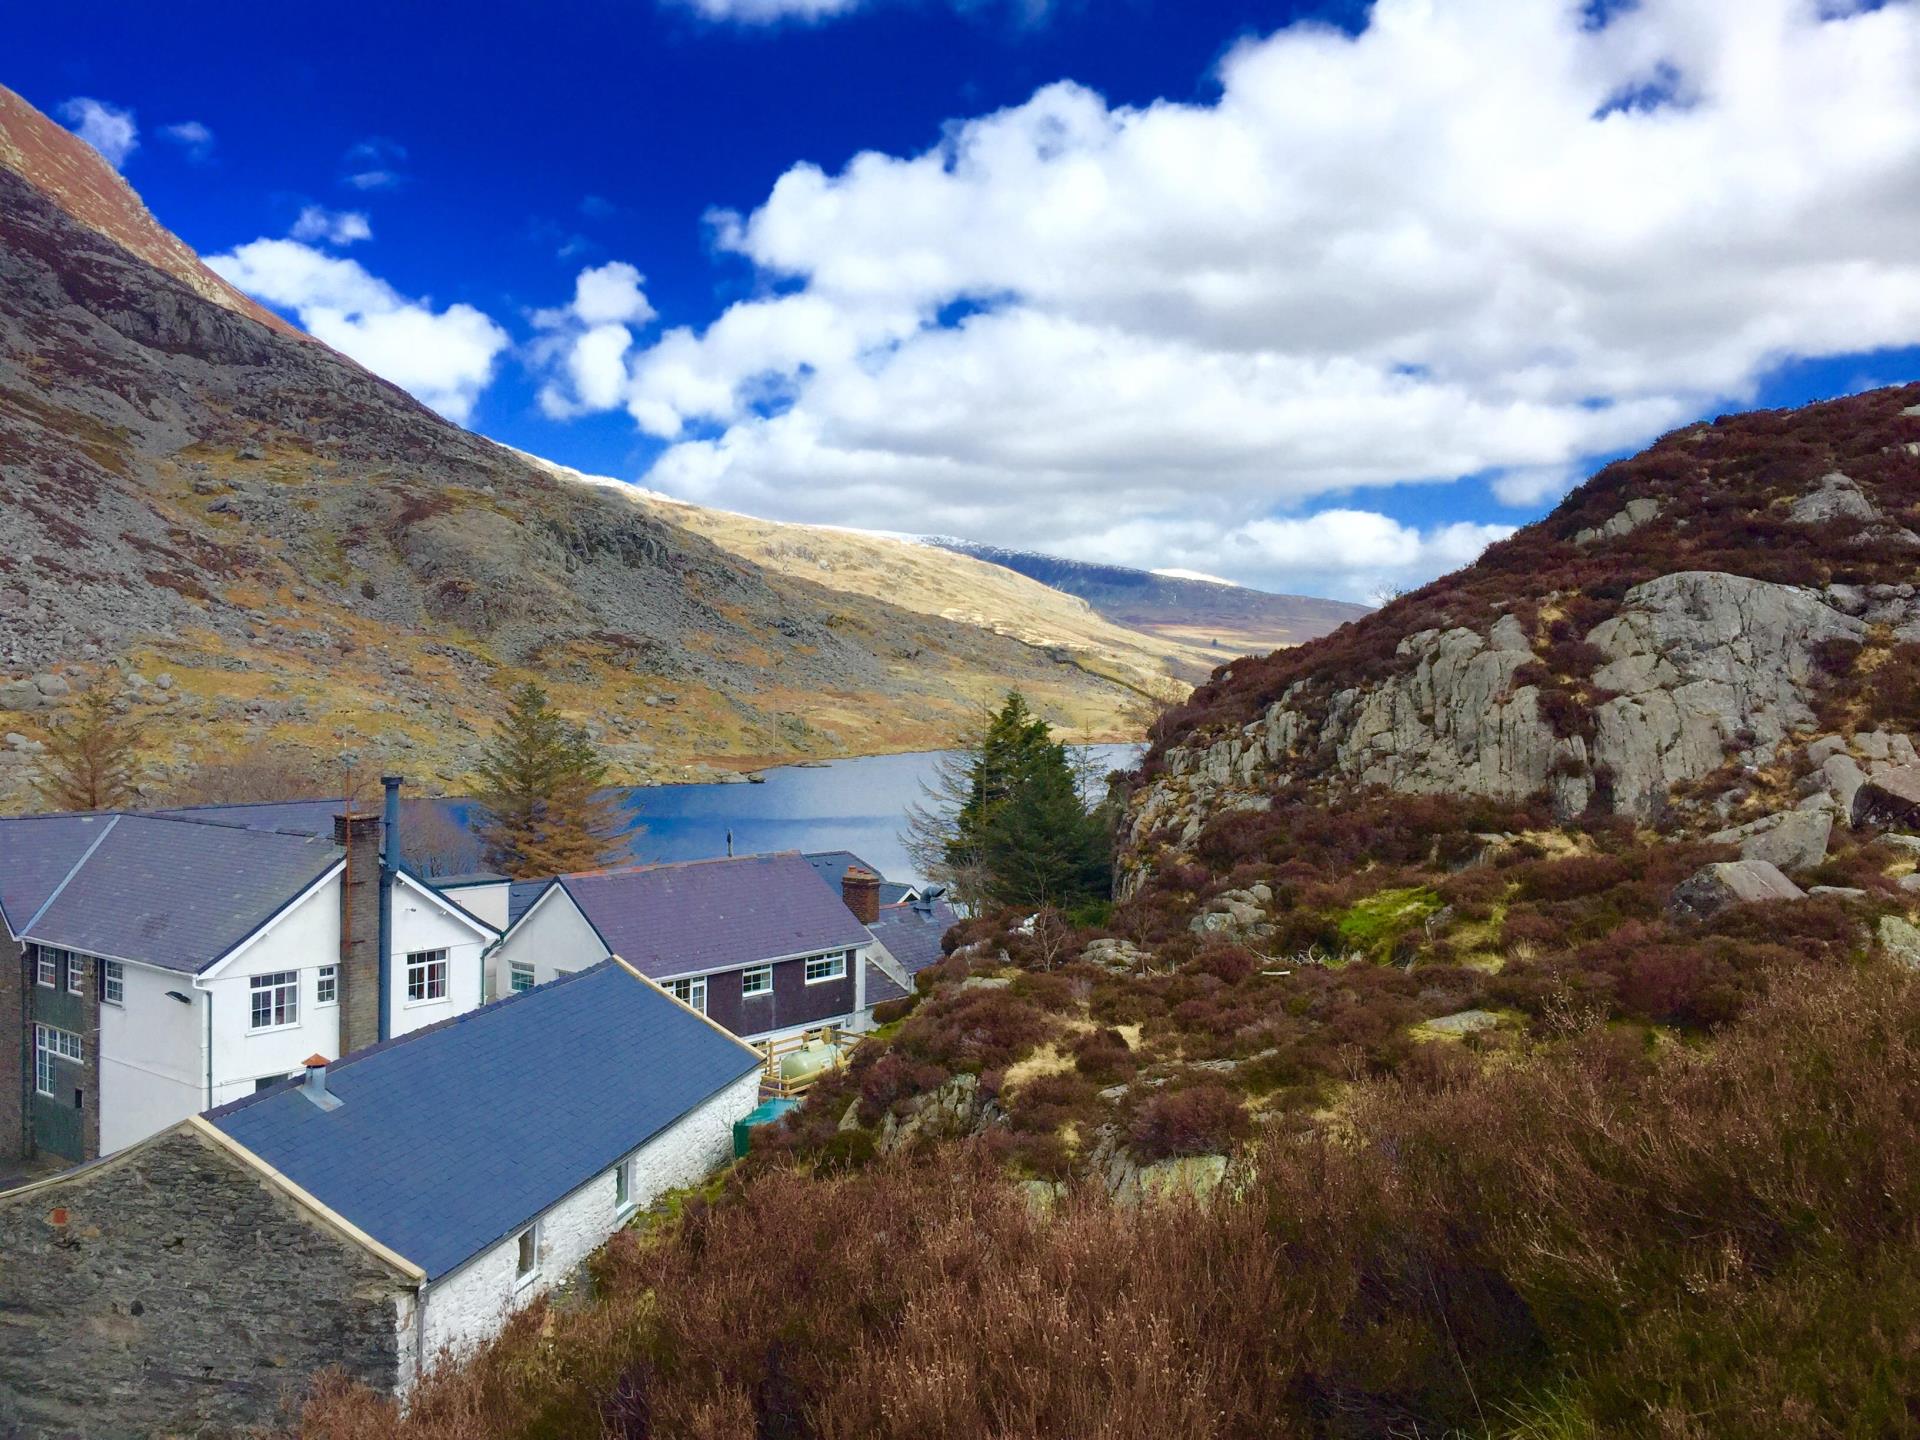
1597	1238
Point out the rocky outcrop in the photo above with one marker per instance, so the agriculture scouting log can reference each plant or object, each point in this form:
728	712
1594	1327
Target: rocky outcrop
1734	882
1695	668
1791	841
1622	523
1890	799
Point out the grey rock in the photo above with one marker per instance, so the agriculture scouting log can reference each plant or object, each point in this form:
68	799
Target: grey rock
985	982
1838	498
1909	883
1901	940
1890	798
1843	778
1509	634
1825	747
1838	892
1625	521
1464	1022
1791	840
1733	882
50	684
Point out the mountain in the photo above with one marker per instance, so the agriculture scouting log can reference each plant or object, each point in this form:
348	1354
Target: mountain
274	545
1219	619
1667	643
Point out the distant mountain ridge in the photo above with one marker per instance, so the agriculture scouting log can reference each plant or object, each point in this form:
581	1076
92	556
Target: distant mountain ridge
1216	614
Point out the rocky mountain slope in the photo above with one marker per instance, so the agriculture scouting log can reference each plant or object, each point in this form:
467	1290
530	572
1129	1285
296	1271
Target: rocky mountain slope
1675	640
274	545
1210	615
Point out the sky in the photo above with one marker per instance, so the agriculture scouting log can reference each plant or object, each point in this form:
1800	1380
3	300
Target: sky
1317	297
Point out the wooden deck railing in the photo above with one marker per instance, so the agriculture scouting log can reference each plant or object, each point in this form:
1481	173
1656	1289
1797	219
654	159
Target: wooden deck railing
774	1084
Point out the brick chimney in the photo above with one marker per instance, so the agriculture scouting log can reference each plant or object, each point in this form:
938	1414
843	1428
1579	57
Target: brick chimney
860	890
360	836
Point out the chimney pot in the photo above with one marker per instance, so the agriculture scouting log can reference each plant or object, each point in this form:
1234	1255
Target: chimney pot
314	1087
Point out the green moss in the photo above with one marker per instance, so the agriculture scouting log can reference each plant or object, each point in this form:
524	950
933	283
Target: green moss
1373	926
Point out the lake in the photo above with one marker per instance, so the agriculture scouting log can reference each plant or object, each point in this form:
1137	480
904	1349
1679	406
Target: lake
858	805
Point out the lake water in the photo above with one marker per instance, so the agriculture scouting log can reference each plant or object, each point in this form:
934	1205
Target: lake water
858	805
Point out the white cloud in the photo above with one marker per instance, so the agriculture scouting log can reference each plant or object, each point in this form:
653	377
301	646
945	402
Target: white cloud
445	358
374	164
335	227
192	137
583	345
1436	249
108	128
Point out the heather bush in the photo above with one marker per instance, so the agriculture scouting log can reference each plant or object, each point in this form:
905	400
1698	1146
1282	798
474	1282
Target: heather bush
971	1030
1104	1056
1201	1119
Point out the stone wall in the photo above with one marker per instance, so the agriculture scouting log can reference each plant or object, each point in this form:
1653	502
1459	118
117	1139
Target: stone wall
16	1049
181	1295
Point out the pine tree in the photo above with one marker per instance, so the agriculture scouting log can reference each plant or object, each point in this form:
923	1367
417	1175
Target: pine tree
1005	822
542	784
92	756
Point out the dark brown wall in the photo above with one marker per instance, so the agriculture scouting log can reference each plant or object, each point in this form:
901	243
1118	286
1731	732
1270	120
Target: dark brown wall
359	932
16	1049
182	1296
793	1001
78	1014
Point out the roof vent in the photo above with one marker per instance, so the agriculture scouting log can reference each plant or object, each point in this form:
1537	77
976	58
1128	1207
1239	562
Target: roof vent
314	1087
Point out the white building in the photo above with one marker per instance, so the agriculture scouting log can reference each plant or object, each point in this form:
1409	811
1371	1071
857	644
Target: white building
163	964
378	1213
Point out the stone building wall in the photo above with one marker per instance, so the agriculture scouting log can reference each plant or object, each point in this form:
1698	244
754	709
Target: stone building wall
16	1049
171	1290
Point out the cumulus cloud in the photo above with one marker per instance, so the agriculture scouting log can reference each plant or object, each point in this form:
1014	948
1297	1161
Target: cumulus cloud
194	138
108	128
334	227
582	346
445	358
1486	238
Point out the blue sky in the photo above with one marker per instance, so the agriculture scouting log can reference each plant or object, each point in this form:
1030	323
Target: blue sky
1313	297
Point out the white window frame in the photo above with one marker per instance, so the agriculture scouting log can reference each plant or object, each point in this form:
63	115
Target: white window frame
47	971
326	987
76	973
427	963
756	980
526	1244
51	1043
691	991
624	1200
113	983
517	972
835	967
281	989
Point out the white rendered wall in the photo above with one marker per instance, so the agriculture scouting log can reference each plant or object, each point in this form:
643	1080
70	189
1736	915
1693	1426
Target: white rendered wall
422	921
488	901
303	939
151	1070
553	937
470	1305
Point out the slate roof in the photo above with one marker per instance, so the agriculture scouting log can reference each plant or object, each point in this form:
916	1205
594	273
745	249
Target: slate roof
456	882
831	865
36	854
298	817
169	892
520	897
450	1139
911	934
704	915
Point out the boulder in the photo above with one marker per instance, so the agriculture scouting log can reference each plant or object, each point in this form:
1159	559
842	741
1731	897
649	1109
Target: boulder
1624	521
1838	498
50	685
1901	940
1792	840
1891	799
1463	1022
1732	882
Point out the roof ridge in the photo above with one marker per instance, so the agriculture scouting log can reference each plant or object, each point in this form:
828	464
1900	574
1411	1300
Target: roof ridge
647	865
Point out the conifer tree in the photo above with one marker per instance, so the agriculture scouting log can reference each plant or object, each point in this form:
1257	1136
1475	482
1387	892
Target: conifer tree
542	784
91	759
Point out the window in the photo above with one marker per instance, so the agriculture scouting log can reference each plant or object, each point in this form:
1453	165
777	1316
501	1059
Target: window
519	977
757	981
693	991
527	1261
76	974
276	1000
49	966
113	982
426	976
50	1045
623	1185
826	967
326	990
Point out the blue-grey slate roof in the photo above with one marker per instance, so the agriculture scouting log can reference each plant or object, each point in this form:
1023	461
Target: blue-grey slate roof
452	1138
520	897
37	852
832	865
175	893
298	817
911	934
705	915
